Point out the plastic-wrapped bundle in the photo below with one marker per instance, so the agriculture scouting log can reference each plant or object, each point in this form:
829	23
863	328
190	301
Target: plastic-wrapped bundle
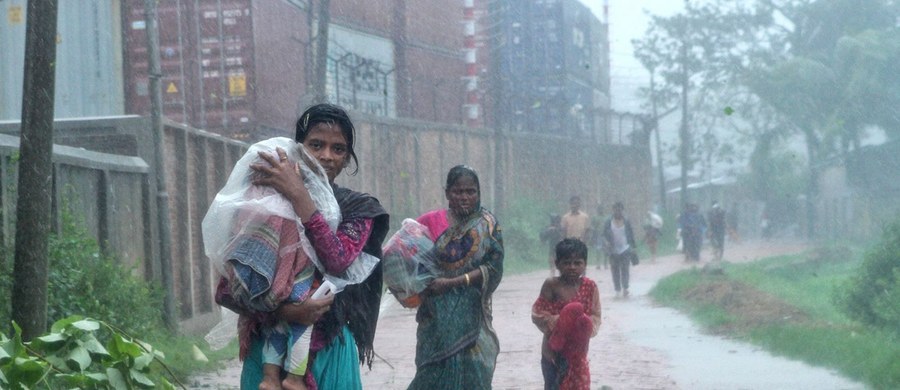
408	262
249	231
240	206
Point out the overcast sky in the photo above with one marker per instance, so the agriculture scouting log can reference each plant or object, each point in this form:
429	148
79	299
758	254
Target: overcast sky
627	21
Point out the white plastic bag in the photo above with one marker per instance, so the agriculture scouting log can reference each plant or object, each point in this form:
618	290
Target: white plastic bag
240	205
409	264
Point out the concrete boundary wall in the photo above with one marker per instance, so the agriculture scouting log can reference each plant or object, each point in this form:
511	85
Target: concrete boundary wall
100	190
402	162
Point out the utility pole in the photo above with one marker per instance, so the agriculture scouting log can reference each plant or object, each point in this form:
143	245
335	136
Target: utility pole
162	197
321	71
655	124
684	150
35	197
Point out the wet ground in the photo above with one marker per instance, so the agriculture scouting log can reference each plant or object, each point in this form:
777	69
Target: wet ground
640	345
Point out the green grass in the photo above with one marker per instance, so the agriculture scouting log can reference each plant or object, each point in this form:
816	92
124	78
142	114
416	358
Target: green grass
180	358
522	223
824	336
808	286
869	356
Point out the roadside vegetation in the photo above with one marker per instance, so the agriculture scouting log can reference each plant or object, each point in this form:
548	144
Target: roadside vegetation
831	307
93	297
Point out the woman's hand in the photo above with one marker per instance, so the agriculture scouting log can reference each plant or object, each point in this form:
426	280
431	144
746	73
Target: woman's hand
286	178
440	285
306	312
278	173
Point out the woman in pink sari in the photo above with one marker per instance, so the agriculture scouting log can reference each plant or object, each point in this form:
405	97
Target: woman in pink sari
456	346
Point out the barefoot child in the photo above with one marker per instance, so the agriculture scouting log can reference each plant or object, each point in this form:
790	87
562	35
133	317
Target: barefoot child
568	314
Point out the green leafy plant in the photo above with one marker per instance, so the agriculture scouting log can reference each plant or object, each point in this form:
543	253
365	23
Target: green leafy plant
72	355
522	223
87	282
84	280
872	294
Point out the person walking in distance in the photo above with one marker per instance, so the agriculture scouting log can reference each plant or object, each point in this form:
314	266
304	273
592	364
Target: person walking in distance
552	235
716	232
596	234
575	223
619	237
652	230
692	225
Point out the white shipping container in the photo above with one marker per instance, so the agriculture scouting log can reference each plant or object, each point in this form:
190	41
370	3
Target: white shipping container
88	59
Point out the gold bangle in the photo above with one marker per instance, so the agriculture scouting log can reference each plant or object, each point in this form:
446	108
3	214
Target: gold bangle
467	279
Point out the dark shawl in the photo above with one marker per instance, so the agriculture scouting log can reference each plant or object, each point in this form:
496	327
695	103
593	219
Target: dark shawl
357	305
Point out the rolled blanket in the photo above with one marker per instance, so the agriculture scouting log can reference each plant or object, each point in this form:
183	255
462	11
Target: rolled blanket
264	262
572	333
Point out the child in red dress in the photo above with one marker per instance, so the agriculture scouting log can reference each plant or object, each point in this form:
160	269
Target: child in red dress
568	314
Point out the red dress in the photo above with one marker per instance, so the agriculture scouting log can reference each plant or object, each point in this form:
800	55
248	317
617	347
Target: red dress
571	334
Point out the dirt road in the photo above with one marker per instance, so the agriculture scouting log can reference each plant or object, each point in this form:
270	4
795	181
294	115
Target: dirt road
639	346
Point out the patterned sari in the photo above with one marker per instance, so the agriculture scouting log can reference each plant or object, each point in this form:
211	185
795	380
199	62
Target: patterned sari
456	344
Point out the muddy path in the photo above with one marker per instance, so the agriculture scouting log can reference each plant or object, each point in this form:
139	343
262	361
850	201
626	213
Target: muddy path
639	346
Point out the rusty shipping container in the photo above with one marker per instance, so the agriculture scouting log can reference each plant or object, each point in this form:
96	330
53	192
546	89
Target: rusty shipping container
233	67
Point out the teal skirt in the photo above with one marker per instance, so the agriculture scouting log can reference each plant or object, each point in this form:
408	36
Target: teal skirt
336	367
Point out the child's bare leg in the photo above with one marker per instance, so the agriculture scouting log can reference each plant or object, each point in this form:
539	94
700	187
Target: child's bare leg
271	377
293	382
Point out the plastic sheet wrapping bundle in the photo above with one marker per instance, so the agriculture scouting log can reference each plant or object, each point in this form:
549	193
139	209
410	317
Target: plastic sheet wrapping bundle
240	208
409	262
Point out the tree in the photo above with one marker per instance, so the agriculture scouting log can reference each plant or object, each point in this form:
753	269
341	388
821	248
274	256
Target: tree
824	69
698	49
822	83
658	98
30	273
866	67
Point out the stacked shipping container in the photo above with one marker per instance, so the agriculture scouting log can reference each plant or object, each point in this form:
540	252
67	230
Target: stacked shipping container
240	68
209	62
550	67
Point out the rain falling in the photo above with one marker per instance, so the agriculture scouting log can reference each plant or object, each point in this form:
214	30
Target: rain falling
516	194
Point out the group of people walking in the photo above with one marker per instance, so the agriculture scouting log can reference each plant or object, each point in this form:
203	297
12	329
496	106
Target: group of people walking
301	263
296	252
692	227
613	239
